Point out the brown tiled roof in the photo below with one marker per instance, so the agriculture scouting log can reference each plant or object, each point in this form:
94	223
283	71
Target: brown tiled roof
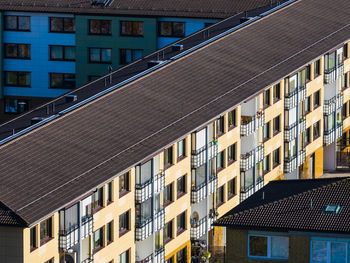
182	8
297	211
9	218
49	167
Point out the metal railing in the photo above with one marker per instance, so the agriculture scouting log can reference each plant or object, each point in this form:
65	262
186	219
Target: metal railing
143	191
88	260
331	135
198	229
199	192
247	191
86	226
159	220
292	98
199	157
69	238
143	228
252	124
250	159
291	132
333	104
291	163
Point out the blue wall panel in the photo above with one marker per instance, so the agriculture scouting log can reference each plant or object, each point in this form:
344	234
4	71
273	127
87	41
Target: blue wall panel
39	65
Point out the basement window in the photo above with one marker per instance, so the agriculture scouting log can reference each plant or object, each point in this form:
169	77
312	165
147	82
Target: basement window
332	209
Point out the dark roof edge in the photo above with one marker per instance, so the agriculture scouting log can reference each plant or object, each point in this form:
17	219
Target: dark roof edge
21	221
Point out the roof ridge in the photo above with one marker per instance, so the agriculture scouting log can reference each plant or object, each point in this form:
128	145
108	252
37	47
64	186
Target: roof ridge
291	196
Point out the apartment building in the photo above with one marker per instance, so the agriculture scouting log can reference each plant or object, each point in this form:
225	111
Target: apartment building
50	48
140	171
291	221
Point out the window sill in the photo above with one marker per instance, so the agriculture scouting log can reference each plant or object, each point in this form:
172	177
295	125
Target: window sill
316	106
180	158
276	100
62	60
167	166
165	204
266	139
344	88
109	202
275	165
124	35
123	232
265	106
315	138
219	169
219	204
109	242
97	209
17	58
230	196
19	30
62	32
45	240
230	162
306	113
95	250
166	241
180	231
266	172
276	132
100	34
180	195
98	62
171	36
122	193
231	127
32	249
220	134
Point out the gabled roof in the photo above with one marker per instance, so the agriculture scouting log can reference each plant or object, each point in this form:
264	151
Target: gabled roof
294	205
183	8
49	167
9	218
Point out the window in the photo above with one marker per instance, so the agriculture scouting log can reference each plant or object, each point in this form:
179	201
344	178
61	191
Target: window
232	119
130	55
277	125
317	68
168	232
276	92
131	28
346	50
62	25
231	188
17	23
329	251
171	29
266	134
100	55
180	223
100	27
158	241
266	98
33	238
62	53
276	247
124	257
170	260
18	51
308	73
45	230
302	77
52	260
316	130
231	154
98	199
220	125
316	99
17	78
181	149
344	81
345	110
276	157
266	164
109	230
98	239
220	161
307	137
124	224
13	105
181	256
219	196
109	192
124	184
307	105
181	186
168	194
62	81
168	157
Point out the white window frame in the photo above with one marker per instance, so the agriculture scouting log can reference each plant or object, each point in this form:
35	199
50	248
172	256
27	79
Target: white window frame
329	244
269	247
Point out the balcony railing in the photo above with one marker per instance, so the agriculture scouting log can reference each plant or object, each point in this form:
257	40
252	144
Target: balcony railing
86	226
199	157
159	182
159	255
143	191
88	260
147	259
333	134
199	193
291	132
143	228
199	228
159	220
251	124
293	98
291	163
330	75
249	190
250	159
333	104
68	239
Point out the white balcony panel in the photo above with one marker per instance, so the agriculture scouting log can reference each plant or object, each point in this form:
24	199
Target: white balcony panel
68	239
143	192
86	227
159	182
251	158
143	231
253	125
159	220
199	229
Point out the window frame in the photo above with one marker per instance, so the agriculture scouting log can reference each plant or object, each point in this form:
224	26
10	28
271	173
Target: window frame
266	98
34	238
316	100
318	123
63	53
268	135
101	243
183	155
167	201
220	126
276	154
172	26
123	55
168	157
180	228
269	247
278	129
17	23
222	163
47	225
17	46
220	196
232	121
124	223
63	79
100	21
123	34
168	232
329	249
101	49
110	232
317	68
231	154
63	25
267	164
276	92
181	182
17	78
126	178
127	255
232	184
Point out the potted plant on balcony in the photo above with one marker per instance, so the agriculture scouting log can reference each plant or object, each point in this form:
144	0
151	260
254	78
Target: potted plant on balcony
206	257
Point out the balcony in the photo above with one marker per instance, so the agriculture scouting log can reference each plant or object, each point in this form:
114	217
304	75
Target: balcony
333	104
146	259
333	134
291	163
250	159
159	182
159	220
69	238
143	191
200	228
199	193
291	132
293	98
88	260
330	75
249	190
251	124
143	229
159	255
86	226
199	157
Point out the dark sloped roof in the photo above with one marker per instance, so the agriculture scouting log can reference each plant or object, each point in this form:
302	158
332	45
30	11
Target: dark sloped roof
182	8
299	208
9	218
49	167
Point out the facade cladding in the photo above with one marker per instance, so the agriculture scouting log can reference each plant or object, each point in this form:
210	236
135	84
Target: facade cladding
142	172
